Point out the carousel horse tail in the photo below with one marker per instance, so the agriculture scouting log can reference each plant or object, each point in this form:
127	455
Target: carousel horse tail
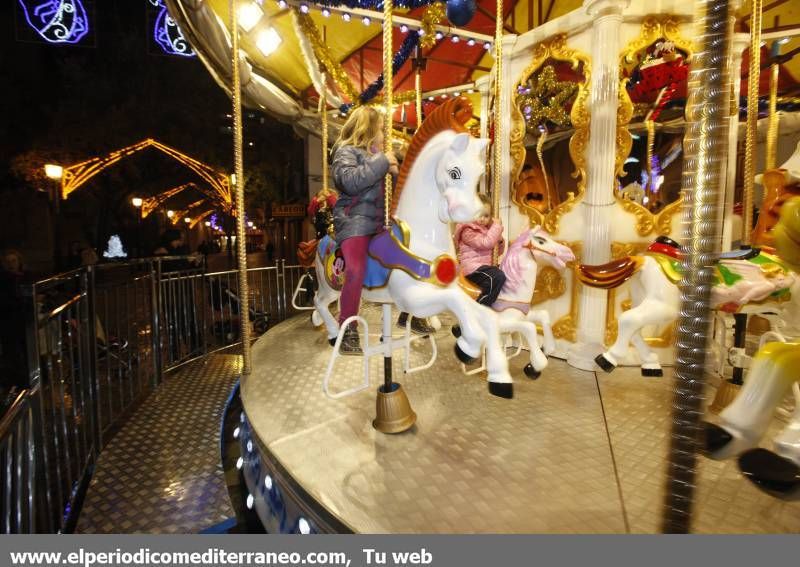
612	274
306	251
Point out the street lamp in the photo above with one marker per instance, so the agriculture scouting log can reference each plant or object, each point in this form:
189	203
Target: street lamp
137	202
53	171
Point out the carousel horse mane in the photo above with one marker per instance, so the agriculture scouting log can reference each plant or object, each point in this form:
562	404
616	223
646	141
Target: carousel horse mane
510	264
452	115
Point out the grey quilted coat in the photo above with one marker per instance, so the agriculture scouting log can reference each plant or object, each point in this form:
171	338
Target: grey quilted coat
358	176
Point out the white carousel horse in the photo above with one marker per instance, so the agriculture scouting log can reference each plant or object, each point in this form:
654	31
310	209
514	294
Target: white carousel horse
748	281
743	424
520	264
436	186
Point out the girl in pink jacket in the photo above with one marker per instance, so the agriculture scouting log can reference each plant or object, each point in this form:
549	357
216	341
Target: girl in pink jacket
475	242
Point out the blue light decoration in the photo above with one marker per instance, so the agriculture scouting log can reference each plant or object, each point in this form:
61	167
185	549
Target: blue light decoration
57	21
168	35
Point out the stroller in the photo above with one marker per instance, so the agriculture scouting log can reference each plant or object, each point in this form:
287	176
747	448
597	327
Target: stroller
226	306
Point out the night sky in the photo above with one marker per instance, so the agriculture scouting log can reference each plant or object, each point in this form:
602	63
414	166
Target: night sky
66	103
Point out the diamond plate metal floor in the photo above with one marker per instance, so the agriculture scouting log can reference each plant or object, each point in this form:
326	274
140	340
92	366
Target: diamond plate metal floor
572	453
161	473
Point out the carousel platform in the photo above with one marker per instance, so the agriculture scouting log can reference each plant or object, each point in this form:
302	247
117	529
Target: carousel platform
573	452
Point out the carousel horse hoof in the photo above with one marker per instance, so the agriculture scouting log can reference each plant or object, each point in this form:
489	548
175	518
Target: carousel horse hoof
775	475
456	330
650	372
463	356
604	363
502	389
531	372
332	341
716	438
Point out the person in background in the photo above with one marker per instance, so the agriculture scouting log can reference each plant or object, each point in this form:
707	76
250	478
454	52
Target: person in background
475	242
173	243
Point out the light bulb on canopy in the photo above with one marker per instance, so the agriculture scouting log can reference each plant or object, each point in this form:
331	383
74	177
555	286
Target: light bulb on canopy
268	41
137	202
249	15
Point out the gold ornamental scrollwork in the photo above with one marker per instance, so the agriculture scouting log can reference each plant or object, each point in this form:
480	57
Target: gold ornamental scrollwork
555	48
550	284
653	29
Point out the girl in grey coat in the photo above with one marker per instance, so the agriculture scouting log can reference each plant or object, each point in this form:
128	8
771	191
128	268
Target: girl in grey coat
359	168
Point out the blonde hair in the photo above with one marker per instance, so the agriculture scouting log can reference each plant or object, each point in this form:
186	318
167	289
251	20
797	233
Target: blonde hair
362	128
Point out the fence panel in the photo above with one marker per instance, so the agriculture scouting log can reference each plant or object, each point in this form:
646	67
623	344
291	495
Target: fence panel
98	340
125	369
17	467
61	343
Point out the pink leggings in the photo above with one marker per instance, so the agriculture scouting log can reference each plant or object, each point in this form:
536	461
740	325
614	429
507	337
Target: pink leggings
354	250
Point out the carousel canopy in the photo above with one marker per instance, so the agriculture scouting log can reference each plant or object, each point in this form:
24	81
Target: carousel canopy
284	41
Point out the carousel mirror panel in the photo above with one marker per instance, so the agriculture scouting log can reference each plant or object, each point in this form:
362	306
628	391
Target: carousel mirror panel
550	132
654	69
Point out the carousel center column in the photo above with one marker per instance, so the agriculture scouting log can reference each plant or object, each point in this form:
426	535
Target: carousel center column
739	42
598	202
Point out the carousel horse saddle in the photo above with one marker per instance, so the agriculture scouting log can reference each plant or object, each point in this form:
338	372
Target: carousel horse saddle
612	274
330	253
744	254
468	287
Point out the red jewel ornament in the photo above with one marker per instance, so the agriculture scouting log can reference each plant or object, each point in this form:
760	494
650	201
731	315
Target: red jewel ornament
446	270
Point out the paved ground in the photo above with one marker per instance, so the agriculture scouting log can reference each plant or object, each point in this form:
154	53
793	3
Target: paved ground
161	473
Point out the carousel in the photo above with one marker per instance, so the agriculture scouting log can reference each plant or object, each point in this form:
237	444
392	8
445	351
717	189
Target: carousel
635	372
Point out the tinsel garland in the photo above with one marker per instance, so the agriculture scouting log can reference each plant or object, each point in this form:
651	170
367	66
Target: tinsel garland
372	4
433	15
309	29
322	54
406	49
312	66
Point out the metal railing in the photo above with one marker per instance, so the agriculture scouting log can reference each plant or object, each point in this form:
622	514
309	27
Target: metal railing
99	339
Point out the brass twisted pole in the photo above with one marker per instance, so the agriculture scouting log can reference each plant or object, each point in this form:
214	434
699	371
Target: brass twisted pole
772	127
498	109
323	102
238	167
752	119
387	102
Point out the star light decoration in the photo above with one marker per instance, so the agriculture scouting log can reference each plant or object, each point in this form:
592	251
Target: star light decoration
544	99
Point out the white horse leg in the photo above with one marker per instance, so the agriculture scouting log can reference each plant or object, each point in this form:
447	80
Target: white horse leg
538	361
542	317
650	363
425	302
500	382
744	422
648	312
322	299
